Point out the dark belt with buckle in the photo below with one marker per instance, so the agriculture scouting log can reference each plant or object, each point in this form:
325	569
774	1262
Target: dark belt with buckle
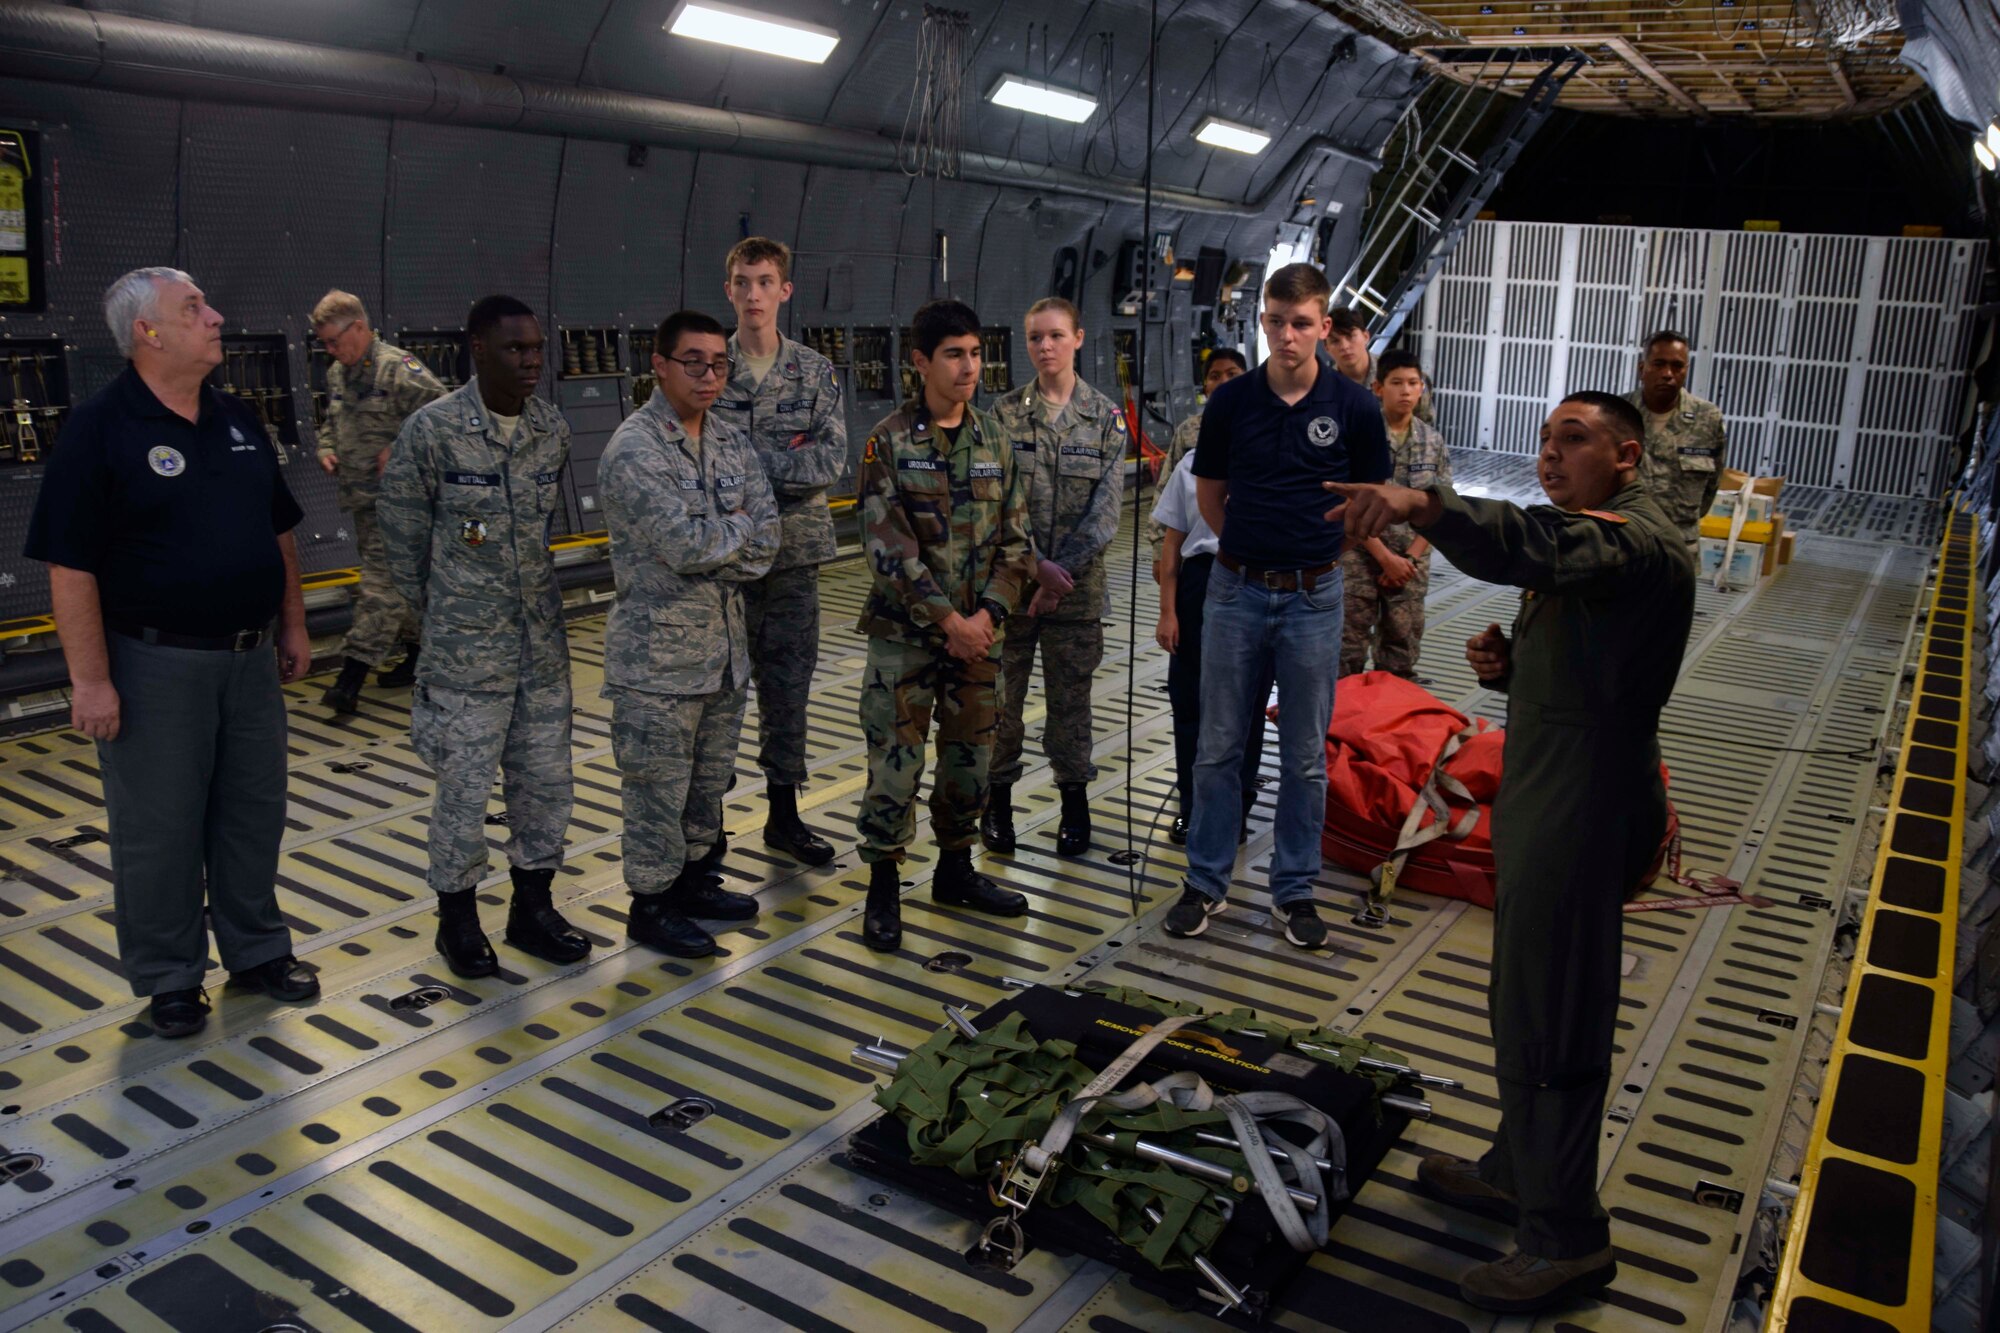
242	641
1276	580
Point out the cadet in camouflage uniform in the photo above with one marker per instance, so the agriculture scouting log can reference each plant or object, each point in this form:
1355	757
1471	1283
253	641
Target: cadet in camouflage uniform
466	506
1069	444
1347	346
1224	365
692	523
784	397
1685	449
942	514
371	388
1389	576
1607	605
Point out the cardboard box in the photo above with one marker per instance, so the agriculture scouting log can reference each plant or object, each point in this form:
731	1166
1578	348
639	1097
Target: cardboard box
1746	566
1759	507
1759	532
1785	544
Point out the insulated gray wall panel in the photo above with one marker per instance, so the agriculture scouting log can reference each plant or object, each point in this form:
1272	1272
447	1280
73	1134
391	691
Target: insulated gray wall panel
471	213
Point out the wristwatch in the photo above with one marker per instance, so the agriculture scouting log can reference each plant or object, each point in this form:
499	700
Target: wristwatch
997	612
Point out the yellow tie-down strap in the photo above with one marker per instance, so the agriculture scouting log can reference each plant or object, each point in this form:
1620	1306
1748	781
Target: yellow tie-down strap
1860	1251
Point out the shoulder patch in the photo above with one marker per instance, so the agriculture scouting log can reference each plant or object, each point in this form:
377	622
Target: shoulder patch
868	453
1605	516
413	363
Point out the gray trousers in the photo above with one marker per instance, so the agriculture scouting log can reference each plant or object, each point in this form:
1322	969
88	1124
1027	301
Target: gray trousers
675	754
782	612
194	792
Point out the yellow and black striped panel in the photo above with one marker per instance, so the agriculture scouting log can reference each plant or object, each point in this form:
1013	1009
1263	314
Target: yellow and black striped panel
1860	1251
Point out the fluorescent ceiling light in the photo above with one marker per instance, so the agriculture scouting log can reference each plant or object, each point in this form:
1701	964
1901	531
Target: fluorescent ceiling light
1993	138
710	21
1237	138
1026	95
1984	154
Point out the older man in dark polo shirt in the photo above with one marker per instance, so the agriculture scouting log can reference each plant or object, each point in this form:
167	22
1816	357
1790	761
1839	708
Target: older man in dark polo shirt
166	526
1269	440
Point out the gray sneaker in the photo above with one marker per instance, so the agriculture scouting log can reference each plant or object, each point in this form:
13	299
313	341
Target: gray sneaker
1524	1283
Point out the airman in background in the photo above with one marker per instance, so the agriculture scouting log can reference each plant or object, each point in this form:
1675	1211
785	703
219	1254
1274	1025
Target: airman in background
1224	365
1685	448
371	389
1389	576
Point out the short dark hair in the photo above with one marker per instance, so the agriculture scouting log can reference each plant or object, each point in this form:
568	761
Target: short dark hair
1666	336
667	338
1346	320
1296	283
1400	359
488	311
937	320
1216	354
1623	417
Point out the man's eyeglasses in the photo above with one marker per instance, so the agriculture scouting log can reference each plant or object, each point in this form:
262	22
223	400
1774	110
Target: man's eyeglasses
333	340
698	369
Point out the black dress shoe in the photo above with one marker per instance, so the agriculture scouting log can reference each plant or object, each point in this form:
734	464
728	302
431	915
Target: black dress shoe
282	979
344	695
784	830
535	927
402	675
957	884
996	825
1073	831
659	925
882	922
461	939
179	1013
1177	835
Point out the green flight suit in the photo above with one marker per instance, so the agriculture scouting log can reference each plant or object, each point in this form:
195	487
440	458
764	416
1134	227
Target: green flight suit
1580	813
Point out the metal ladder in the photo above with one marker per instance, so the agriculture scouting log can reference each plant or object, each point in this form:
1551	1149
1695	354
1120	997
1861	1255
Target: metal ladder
1427	208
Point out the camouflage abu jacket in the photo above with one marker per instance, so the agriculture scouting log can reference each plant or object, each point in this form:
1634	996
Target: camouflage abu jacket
1684	458
690	523
795	423
939	530
1075	471
465	521
365	408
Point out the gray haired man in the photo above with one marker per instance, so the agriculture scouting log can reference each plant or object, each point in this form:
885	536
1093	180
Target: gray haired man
167	528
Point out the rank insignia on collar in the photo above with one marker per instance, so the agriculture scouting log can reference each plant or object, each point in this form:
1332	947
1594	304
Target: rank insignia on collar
473	532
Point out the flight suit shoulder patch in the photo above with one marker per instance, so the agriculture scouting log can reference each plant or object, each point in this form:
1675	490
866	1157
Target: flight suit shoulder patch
1605	516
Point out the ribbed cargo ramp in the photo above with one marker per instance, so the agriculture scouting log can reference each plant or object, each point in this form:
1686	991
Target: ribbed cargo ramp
417	1152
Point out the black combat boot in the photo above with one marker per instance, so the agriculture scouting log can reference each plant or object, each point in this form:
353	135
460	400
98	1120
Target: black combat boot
784	829
882	922
344	695
698	892
658	923
460	937
1073	832
533	924
957	884
996	826
402	675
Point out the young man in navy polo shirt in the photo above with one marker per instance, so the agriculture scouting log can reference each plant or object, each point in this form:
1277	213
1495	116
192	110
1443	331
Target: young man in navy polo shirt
1269	440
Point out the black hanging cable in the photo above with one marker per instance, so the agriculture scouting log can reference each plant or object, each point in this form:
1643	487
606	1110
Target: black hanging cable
1129	858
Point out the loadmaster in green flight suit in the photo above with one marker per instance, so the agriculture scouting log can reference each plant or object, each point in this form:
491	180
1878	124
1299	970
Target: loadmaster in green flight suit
1607	604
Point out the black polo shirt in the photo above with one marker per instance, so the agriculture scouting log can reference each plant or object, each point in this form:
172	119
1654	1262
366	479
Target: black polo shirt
176	518
1274	457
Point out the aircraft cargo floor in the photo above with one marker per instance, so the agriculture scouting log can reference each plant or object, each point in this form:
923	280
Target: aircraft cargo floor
416	1152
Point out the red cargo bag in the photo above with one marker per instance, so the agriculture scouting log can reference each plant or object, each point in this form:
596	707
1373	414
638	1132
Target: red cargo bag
1383	751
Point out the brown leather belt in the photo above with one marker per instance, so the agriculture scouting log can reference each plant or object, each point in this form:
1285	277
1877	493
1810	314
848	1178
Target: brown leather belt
1276	580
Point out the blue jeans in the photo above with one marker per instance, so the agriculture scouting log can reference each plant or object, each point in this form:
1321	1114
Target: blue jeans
1251	634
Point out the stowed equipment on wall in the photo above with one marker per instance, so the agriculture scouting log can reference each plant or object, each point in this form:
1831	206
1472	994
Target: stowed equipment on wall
1206	1154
